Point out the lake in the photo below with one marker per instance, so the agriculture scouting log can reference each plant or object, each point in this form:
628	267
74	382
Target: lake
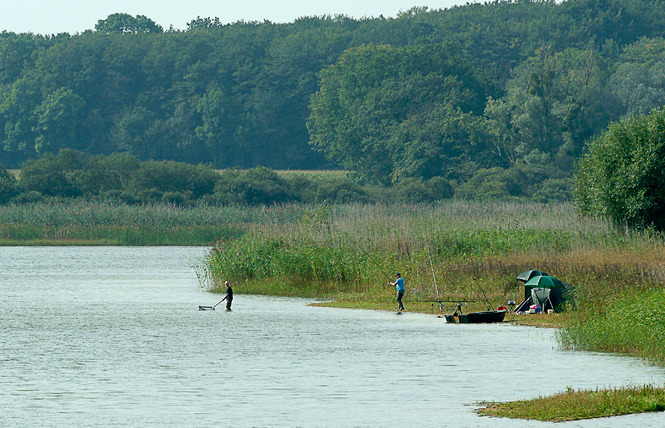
112	336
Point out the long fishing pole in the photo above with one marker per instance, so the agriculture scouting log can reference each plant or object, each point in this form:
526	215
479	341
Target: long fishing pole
436	287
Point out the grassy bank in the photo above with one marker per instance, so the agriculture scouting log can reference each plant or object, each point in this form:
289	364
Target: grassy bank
347	254
350	252
582	404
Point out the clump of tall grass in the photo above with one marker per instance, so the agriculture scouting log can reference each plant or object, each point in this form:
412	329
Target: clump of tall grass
307	267
631	323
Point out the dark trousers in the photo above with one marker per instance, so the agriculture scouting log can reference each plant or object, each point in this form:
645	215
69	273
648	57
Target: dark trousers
400	306
228	304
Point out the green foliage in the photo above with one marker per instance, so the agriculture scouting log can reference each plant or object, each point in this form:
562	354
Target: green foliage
124	23
167	176
327	189
448	93
633	317
417	190
254	186
58	121
621	177
376	97
73	174
7	185
53	175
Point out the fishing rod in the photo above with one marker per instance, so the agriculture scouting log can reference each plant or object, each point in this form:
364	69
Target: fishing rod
436	287
376	264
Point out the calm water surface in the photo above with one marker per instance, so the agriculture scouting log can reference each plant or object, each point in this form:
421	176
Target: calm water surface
113	337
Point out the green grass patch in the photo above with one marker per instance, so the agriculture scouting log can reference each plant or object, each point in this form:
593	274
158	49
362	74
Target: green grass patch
582	404
631	323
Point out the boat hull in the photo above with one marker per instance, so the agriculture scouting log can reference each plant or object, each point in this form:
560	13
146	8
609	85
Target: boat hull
477	317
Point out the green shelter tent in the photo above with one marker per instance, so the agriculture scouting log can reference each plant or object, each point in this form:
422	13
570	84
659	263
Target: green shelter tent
545	291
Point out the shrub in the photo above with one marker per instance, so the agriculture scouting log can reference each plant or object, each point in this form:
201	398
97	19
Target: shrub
30	197
412	190
53	175
622	176
253	187
7	185
440	188
338	190
168	176
175	198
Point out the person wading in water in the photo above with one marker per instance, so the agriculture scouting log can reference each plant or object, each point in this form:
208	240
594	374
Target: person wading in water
399	285
229	296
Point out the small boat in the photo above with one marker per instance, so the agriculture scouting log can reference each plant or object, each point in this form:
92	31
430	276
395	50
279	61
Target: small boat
488	316
476	317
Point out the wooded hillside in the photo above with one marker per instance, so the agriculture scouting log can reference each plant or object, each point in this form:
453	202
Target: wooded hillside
498	99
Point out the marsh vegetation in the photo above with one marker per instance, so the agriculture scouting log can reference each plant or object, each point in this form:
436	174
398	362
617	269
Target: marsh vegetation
348	253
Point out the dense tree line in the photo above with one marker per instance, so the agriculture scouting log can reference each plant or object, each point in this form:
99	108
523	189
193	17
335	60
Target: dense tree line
495	99
124	179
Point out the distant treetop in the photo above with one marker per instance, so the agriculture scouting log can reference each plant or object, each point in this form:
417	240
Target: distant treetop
127	24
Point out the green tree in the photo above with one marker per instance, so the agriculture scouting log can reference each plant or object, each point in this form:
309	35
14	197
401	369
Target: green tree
174	177
622	176
552	105
59	122
134	132
254	186
17	110
7	185
124	23
372	91
54	175
638	84
218	113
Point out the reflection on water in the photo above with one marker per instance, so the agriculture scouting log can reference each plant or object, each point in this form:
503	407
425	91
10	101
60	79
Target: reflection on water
112	336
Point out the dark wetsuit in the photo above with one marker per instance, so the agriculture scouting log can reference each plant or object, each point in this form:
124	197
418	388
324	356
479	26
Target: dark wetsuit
229	297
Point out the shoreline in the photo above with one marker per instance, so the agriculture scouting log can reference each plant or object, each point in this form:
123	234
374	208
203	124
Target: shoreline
570	405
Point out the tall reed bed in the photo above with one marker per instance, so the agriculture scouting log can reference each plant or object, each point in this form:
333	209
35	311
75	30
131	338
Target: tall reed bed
77	222
633	323
350	252
352	245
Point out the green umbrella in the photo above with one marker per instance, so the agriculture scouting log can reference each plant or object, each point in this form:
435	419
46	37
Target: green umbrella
544	281
528	274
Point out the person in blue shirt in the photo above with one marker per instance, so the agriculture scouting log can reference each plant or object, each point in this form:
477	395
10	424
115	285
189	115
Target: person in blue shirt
399	285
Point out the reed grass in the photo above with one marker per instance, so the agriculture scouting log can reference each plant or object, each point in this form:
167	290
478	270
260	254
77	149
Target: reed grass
76	222
632	323
349	253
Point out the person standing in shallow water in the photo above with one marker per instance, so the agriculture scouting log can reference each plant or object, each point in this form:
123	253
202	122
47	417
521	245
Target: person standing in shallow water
399	285
229	296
